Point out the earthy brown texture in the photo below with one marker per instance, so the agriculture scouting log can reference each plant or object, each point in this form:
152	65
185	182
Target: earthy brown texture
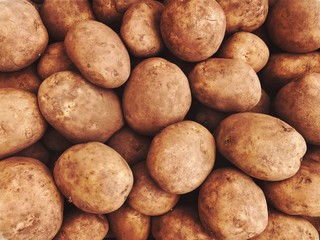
54	141
36	151
264	105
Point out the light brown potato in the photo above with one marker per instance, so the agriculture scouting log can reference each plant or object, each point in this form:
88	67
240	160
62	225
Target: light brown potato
247	47
107	12
54	141
59	18
94	177
181	156
79	110
226	85
264	105
36	151
146	196
243	15
231	205
315	221
156	95
23	37
140	28
193	30
181	223
21	123
287	30
129	224
31	205
298	104
261	145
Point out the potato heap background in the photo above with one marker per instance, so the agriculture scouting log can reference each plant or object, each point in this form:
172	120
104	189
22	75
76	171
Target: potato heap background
174	119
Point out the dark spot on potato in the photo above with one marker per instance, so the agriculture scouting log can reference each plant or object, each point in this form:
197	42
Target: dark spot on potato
228	140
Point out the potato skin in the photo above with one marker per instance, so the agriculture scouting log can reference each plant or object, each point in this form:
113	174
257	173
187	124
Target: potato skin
31	205
36	151
231	205
107	12
263	146
264	105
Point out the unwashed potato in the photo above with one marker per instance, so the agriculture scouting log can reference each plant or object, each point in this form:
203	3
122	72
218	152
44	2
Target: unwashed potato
181	156
264	105
23	37
31	205
156	95
94	177
129	224
107	12
231	205
226	85
79	110
263	146
36	151
54	141
193	30
21	123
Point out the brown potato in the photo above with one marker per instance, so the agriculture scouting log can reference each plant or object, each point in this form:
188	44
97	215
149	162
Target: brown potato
298	104
129	224
79	110
23	37
94	177
226	85
264	105
107	12
36	151
54	141
315	221
231	205
21	123
146	196
181	156
261	145
193	30
31	205
156	95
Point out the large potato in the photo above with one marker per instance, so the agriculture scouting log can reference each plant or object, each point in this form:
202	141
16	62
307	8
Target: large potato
31	207
23	37
263	146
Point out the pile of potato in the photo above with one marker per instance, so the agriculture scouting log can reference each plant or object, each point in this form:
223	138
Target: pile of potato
174	119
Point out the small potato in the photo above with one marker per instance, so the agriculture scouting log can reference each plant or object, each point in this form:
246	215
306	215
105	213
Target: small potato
94	177
129	224
140	28
31	205
231	205
247	47
146	196
106	11
261	145
181	156
36	151
23	37
54	141
226	85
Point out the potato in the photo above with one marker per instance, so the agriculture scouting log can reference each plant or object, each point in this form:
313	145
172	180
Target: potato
298	104
181	156
193	30
264	105
94	177
21	123
231	205
59	18
261	145
315	221
129	224
82	226
226	85
31	205
146	196
282	226
156	95
53	60
287	30
140	28
180	223
107	12
23	37
299	194
244	15
54	141
247	47
78	110
36	151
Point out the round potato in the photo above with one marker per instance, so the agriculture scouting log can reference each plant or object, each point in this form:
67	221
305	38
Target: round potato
181	156
261	145
226	85
23	37
94	177
156	95
98	53
193	30
107	12
231	205
31	205
79	110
